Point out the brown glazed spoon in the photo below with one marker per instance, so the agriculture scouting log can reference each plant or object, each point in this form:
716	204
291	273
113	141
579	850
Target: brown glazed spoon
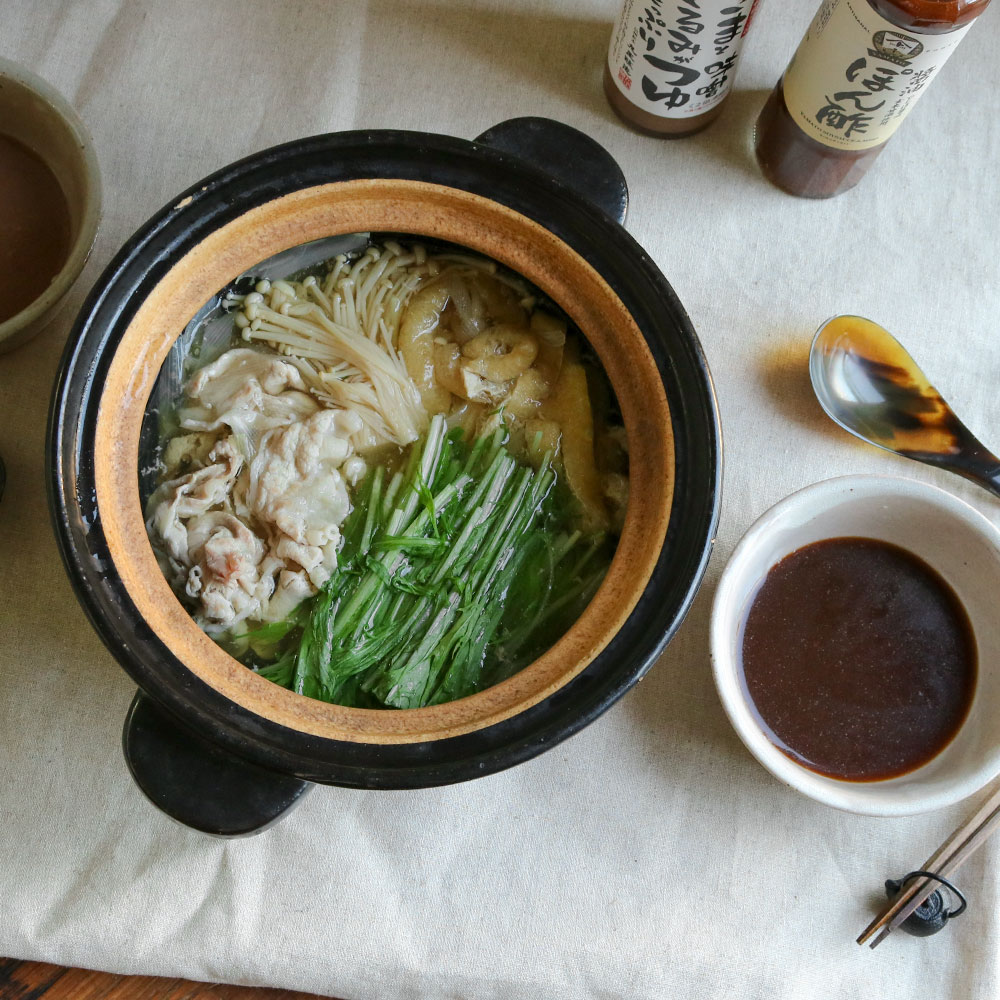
867	383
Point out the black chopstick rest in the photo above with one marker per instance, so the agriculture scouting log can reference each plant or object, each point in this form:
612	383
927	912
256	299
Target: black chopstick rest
931	915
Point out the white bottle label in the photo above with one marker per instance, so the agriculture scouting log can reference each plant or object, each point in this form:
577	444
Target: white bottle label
678	59
855	75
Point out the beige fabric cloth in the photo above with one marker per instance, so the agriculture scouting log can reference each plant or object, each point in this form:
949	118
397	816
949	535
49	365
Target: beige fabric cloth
650	855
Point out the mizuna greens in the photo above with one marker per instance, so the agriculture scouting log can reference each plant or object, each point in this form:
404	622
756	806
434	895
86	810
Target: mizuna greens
455	571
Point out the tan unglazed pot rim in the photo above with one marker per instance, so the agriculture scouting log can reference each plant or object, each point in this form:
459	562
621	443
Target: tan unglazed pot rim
422	210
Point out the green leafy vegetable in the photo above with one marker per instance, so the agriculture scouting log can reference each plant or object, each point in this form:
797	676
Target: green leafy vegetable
452	575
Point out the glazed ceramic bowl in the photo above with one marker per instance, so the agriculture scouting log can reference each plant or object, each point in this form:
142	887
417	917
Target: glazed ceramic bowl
482	198
947	534
38	116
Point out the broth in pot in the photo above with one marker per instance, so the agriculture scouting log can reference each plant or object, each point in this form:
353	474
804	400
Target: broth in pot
401	482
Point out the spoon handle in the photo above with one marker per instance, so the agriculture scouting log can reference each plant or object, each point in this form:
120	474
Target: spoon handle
976	462
988	480
958	450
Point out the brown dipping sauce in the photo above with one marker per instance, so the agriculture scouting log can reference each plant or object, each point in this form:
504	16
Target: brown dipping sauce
34	227
858	658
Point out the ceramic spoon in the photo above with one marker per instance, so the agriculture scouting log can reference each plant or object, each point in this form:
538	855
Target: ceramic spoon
867	383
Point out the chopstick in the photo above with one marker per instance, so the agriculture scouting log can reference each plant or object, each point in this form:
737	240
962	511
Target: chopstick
969	837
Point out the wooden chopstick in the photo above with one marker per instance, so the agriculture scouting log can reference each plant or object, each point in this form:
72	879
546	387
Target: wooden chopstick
966	839
924	887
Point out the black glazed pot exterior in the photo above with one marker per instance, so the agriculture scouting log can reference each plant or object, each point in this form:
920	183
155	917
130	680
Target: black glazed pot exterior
495	173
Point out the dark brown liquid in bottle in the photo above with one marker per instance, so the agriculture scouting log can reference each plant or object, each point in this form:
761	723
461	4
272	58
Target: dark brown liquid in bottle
656	125
859	659
803	166
797	163
34	227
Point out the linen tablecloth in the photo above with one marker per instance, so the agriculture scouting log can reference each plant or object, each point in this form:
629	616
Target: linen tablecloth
649	855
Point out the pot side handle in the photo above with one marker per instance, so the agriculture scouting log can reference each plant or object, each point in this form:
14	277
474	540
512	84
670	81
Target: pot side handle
569	155
199	784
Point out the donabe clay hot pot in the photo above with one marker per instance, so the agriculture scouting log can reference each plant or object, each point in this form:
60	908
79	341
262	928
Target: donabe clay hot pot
210	742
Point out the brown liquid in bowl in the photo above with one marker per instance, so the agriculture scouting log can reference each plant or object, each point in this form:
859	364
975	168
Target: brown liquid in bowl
858	658
34	227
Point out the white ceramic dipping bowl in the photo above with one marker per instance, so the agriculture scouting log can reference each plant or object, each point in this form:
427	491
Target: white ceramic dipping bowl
38	116
952	538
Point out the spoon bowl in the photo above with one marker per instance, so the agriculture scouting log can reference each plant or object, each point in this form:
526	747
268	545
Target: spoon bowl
868	384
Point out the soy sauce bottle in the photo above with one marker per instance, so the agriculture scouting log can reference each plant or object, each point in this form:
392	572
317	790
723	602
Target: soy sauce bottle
855	76
671	63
